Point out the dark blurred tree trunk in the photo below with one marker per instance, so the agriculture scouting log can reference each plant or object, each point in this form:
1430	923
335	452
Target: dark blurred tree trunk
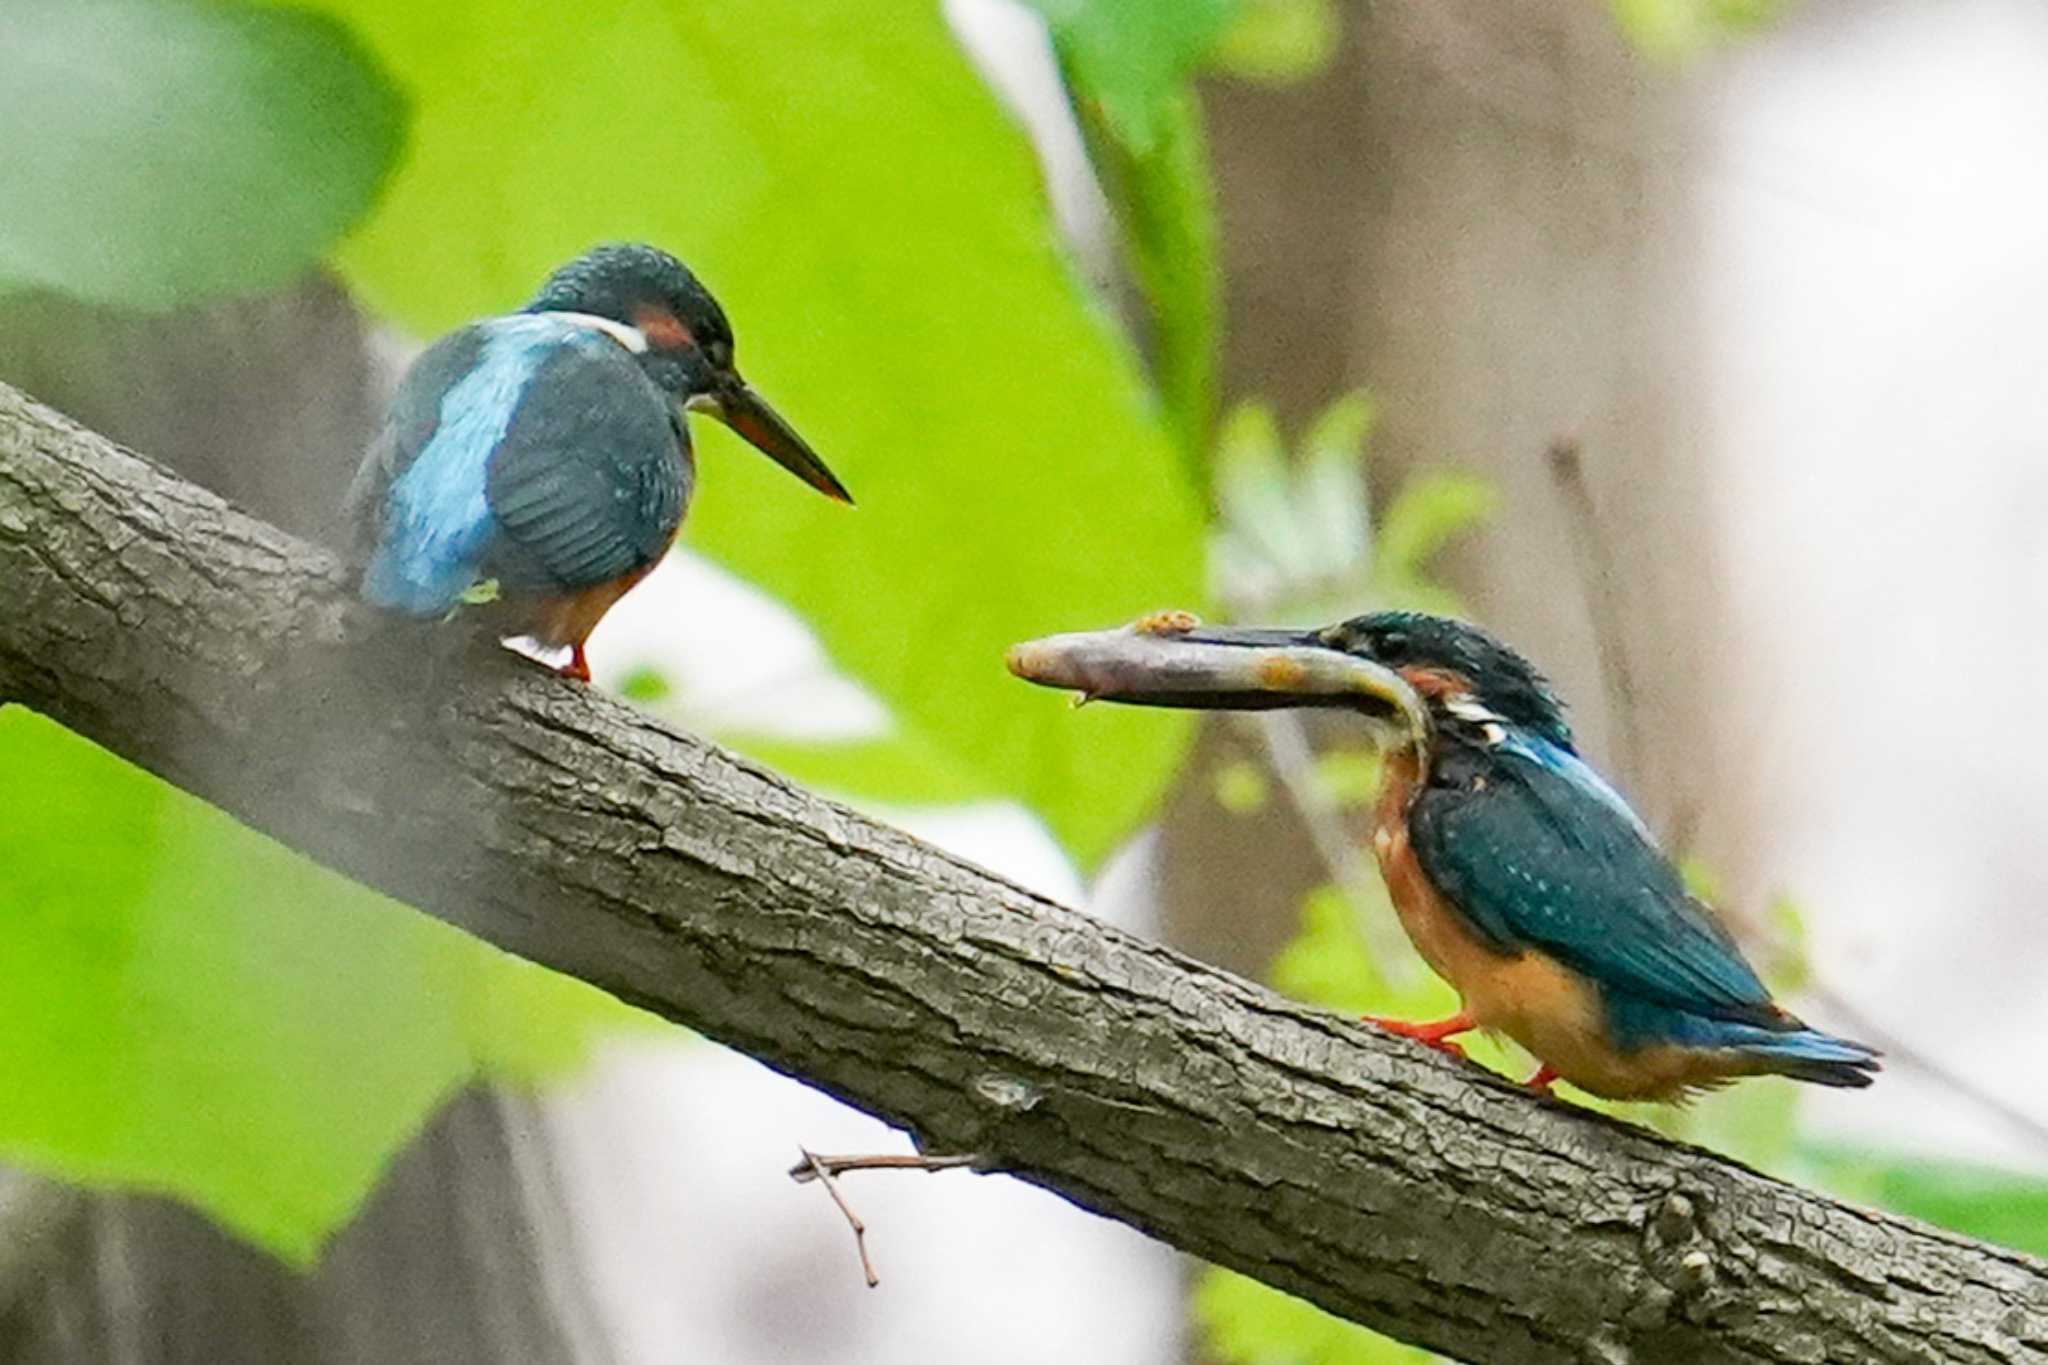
447	1262
1483	213
461	1255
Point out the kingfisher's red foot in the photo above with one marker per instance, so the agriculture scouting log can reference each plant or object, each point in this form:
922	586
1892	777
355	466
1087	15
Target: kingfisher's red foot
1436	1033
578	666
1541	1081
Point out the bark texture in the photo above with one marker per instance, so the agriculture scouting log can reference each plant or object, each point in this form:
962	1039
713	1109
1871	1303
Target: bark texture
1387	1184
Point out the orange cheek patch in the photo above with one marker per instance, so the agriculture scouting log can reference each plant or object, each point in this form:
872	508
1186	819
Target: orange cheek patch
1437	683
664	331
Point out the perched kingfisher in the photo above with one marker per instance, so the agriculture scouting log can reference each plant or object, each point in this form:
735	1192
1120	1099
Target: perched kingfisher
541	459
1522	877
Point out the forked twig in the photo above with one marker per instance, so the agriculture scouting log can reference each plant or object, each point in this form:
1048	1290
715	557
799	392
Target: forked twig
826	1170
816	1169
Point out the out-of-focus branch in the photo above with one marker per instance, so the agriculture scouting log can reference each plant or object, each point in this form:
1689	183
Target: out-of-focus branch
1379	1180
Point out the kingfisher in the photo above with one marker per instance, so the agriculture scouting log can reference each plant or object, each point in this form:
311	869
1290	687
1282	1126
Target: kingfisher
540	461
1522	877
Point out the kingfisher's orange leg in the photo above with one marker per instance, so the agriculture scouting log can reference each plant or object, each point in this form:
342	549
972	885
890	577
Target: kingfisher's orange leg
578	666
1436	1033
1540	1082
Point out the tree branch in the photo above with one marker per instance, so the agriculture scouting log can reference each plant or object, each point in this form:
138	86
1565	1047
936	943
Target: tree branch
1389	1185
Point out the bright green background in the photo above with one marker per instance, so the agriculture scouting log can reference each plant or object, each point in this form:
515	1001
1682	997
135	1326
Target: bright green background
194	1009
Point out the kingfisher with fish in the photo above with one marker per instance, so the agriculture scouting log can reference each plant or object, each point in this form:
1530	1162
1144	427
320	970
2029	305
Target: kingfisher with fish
539	463
1522	877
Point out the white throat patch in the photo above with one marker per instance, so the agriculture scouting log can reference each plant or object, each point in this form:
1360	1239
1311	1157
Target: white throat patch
1467	708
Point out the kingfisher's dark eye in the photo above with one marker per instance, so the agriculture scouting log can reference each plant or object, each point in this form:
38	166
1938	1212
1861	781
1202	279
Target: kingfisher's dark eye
719	352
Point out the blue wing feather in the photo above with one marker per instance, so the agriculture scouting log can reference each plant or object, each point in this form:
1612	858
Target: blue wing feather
527	447
1575	770
592	479
1537	856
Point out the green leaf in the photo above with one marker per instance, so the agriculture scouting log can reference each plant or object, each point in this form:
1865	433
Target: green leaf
1428	511
195	1010
1327	962
1244	1322
1129	56
2008	1207
1241	787
162	153
1330	501
1673	30
1296	541
1129	67
1164	201
899	770
1257	543
875	228
1348	777
1279	42
646	686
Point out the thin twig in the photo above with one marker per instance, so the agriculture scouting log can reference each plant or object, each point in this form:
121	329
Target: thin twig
860	1230
1293	761
1603	604
1866	1028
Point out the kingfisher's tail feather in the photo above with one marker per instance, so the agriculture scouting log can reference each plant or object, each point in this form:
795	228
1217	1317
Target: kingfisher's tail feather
1806	1054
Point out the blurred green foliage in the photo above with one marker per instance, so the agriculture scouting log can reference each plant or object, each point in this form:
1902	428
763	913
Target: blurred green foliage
193	1009
1279	42
1241	787
1348	777
1252	1324
1133	58
1163	200
1296	539
1672	30
1129	67
160	152
2004	1206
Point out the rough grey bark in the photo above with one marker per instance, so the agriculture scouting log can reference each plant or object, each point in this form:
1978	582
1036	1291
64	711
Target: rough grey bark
1381	1181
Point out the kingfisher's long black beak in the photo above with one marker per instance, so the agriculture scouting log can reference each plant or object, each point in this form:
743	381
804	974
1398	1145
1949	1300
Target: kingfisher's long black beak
1172	660
735	403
